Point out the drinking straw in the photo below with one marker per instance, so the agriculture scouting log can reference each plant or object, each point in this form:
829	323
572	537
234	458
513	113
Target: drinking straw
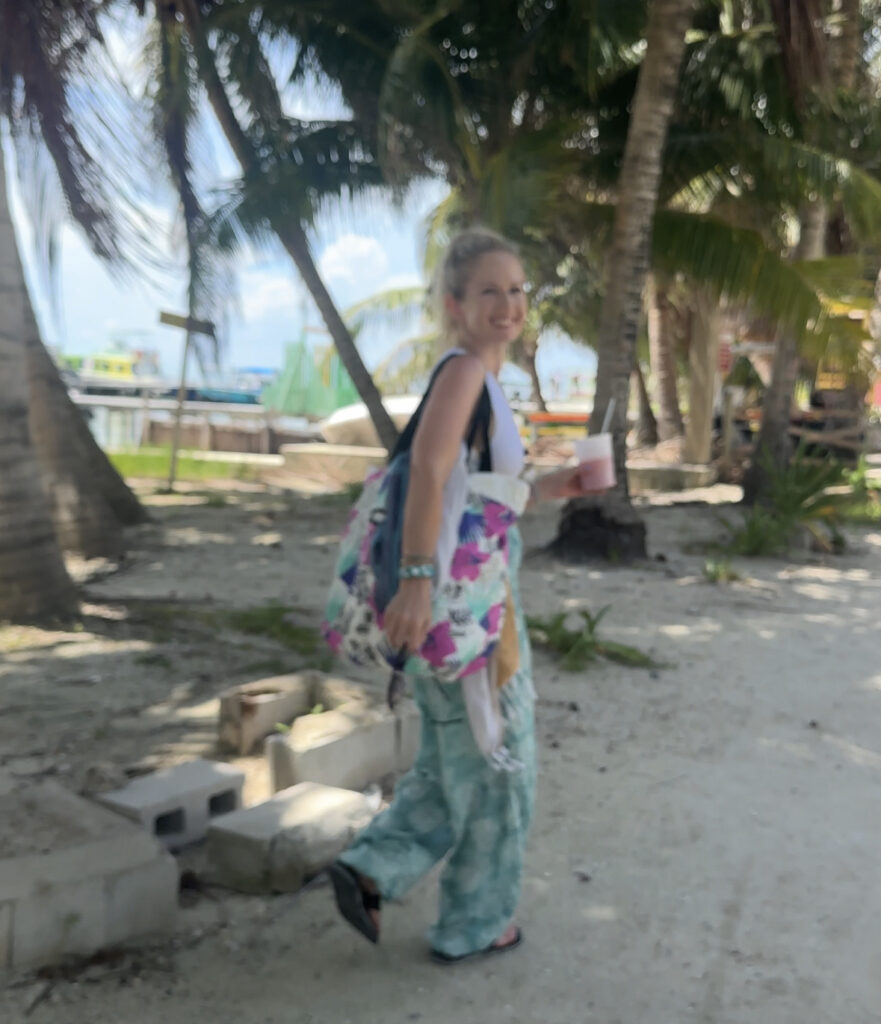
607	419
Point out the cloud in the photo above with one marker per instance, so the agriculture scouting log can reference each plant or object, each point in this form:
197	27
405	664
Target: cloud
354	260
263	293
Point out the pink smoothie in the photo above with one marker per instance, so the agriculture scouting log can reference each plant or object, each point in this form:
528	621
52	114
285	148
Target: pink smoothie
596	462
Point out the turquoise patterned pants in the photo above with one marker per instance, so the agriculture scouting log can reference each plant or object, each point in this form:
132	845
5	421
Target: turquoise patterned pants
453	804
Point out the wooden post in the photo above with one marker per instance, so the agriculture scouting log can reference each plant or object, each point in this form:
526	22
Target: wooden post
178	412
191	326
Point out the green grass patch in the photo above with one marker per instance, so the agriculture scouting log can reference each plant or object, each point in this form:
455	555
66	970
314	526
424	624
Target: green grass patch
274	621
156	463
575	647
267	667
154	659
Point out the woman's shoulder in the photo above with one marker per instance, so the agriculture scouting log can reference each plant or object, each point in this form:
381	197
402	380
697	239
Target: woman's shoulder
460	369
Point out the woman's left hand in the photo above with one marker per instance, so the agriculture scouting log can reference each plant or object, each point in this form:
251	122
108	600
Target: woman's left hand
562	483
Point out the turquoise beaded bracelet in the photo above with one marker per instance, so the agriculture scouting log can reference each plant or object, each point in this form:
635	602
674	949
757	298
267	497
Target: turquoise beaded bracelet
425	571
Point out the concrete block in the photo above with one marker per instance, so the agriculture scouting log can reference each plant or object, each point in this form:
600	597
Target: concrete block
349	747
62	861
278	845
342	464
177	804
141	901
251	712
644	476
59	921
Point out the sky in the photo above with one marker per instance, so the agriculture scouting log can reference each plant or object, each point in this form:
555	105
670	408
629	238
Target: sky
360	249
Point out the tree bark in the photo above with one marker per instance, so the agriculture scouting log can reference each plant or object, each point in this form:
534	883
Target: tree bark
33	580
84	521
523	352
611	527
289	231
646	424
703	357
662	356
774	446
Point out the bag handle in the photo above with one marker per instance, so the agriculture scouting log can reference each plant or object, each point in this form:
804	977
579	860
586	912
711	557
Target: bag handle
478	426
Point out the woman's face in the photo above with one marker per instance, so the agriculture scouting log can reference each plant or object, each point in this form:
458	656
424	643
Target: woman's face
493	308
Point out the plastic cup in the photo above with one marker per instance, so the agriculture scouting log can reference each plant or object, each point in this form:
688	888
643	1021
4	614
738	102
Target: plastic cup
596	462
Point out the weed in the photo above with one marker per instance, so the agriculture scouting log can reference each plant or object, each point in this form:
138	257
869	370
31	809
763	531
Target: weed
805	496
719	571
577	647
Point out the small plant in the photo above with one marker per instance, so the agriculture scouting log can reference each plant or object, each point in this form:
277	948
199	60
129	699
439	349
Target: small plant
577	647
805	495
719	571
317	710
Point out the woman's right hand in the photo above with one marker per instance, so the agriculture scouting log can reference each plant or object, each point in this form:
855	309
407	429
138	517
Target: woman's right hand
408	615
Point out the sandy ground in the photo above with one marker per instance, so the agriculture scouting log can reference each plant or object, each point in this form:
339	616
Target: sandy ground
707	835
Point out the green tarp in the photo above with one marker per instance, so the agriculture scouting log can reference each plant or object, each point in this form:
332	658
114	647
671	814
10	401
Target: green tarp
311	383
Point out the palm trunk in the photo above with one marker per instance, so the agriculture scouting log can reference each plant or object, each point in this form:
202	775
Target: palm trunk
33	581
84	521
662	355
646	424
703	357
774	446
289	231
523	352
611	528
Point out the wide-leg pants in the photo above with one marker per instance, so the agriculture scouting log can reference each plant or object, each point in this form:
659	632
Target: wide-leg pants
453	804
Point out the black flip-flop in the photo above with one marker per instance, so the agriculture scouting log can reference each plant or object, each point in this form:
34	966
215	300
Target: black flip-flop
446	960
353	901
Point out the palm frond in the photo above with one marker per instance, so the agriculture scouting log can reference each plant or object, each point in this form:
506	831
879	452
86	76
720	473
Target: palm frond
392	309
60	99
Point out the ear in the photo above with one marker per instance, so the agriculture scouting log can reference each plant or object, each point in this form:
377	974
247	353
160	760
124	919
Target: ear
453	308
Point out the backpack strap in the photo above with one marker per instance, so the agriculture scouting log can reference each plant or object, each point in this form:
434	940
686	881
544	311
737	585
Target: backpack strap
478	427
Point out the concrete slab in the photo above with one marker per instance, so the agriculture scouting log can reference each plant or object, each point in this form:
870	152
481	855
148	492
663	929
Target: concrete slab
251	712
644	476
177	804
74	877
349	747
342	464
278	845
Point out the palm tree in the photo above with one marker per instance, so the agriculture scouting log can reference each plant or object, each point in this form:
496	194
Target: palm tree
42	51
276	193
35	582
611	527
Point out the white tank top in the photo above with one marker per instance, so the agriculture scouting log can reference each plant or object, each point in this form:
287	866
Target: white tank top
505	445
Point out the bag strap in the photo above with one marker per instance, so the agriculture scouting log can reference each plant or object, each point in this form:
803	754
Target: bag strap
478	426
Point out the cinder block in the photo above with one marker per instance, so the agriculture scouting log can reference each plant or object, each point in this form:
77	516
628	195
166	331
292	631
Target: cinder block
177	804
61	858
141	901
350	747
278	845
58	921
250	713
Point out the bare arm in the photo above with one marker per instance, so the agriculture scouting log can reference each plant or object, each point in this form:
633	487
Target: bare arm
436	447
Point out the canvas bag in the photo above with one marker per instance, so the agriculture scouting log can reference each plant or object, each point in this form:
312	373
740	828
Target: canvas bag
470	595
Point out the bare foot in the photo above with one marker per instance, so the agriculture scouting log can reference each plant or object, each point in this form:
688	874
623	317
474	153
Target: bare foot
510	936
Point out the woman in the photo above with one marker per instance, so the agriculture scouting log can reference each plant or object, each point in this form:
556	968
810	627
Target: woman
456	802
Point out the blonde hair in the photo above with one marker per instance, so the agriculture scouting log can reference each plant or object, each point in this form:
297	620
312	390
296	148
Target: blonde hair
451	277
